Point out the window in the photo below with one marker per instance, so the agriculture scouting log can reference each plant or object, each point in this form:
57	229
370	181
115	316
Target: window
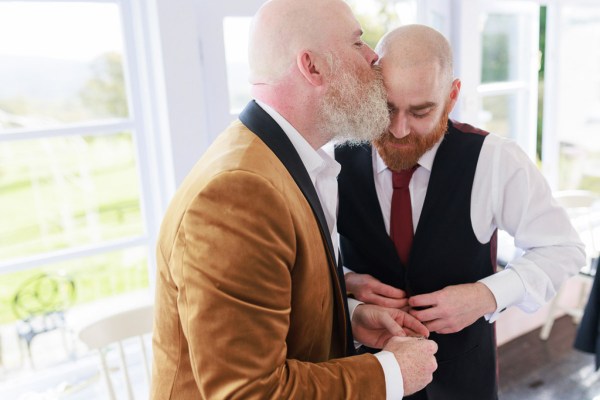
571	152
76	192
509	67
377	17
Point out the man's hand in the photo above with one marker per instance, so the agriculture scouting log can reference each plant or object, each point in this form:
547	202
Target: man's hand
373	325
368	289
416	360
454	307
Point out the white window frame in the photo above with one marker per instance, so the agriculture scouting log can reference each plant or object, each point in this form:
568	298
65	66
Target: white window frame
154	172
212	41
466	41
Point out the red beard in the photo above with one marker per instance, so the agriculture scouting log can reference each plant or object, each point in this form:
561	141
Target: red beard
398	159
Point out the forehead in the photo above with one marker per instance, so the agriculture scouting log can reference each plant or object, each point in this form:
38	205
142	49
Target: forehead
413	84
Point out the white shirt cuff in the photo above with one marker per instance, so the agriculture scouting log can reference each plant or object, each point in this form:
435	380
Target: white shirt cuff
394	386
507	288
352	304
346	270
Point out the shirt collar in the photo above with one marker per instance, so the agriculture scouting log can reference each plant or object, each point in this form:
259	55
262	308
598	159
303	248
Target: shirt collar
314	160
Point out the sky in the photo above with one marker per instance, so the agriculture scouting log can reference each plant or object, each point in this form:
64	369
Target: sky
69	31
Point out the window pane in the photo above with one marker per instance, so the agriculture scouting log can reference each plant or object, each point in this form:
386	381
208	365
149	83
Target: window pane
579	99
67	191
499	54
60	63
377	17
498	114
76	286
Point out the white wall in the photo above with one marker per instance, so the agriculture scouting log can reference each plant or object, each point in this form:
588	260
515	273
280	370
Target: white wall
178	60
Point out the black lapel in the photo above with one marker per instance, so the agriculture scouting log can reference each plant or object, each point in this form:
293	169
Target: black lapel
263	126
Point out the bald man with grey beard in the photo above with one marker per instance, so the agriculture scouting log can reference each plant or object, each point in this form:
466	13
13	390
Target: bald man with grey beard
249	303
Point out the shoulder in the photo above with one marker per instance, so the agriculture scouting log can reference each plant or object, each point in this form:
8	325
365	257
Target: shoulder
505	149
352	155
346	152
236	160
466	128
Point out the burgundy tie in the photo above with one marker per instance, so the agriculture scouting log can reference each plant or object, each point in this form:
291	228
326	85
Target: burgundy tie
401	225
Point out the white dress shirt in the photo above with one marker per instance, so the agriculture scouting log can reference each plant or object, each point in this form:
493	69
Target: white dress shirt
509	193
323	170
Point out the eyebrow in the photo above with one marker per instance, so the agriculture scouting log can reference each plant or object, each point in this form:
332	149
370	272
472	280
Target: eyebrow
419	107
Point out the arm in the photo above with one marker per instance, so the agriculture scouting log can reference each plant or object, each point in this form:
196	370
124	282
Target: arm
522	205
235	284
517	199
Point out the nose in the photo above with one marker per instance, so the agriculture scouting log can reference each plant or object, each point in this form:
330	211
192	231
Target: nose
371	56
399	126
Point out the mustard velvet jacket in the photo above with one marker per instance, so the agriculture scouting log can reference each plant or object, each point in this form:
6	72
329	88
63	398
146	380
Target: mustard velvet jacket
248	304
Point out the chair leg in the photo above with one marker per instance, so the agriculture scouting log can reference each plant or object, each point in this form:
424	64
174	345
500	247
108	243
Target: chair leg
584	293
547	327
29	353
106	375
125	370
145	359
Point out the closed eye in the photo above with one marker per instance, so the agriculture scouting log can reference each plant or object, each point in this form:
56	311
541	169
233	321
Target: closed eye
420	114
422	110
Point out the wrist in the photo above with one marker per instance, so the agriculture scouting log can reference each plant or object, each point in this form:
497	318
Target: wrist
488	299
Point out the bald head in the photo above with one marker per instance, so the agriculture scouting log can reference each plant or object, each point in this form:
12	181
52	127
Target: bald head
416	45
283	28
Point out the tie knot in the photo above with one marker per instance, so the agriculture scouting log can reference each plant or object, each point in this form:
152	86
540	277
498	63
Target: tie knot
401	179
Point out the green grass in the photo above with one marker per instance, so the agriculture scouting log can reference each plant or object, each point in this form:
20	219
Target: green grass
95	278
70	191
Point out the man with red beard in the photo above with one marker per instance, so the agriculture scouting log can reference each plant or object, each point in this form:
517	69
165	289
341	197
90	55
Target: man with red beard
419	211
248	301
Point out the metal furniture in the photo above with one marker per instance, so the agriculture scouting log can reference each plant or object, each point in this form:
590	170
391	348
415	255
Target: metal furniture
40	304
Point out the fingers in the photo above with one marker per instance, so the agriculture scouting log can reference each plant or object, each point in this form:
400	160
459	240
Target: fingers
428	314
398	342
415	326
422	300
370	290
384	295
447	325
392	326
385	301
436	325
416	360
389	291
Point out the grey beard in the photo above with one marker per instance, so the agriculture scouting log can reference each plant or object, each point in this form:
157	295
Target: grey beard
353	111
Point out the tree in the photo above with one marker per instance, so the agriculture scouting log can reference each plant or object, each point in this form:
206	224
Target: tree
104	93
380	20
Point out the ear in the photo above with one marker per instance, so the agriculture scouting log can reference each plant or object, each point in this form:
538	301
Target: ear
454	92
307	65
